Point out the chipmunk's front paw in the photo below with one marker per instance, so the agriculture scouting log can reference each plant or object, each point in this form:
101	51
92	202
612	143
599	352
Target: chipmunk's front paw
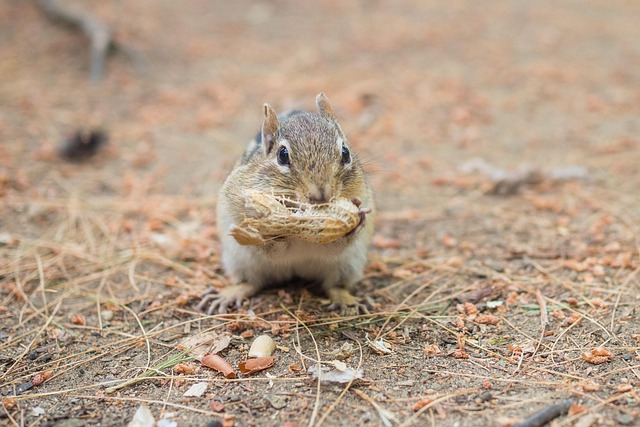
214	300
347	303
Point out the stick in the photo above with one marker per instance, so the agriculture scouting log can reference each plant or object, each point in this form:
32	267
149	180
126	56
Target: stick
98	32
547	414
544	319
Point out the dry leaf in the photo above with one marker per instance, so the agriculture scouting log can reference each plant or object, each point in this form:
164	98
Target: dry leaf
251	366
211	342
216	362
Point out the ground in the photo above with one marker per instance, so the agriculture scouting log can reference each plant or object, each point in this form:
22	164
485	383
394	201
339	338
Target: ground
502	142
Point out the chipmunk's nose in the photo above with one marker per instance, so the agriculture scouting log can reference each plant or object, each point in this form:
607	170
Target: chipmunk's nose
318	195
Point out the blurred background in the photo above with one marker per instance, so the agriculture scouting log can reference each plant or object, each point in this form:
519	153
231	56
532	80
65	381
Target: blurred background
501	140
420	87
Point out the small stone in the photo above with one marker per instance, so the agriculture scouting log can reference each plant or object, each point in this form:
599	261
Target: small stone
277	402
24	387
485	396
38	411
625	419
107	315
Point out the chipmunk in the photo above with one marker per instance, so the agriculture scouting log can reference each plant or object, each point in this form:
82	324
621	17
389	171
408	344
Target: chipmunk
303	156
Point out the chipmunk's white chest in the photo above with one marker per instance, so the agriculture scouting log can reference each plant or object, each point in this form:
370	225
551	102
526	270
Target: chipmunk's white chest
296	251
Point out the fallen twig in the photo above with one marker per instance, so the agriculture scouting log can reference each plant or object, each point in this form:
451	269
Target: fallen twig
98	32
547	414
544	319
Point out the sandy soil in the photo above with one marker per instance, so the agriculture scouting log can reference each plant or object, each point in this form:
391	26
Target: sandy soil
501	139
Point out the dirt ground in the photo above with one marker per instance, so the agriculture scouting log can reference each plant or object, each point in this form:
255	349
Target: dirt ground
502	140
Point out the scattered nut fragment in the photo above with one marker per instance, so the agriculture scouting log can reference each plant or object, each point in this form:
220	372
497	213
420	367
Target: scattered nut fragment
249	333
422	403
79	319
460	354
576	408
590	385
346	350
624	388
185	368
262	346
574	318
41	377
228	420
487	319
216	406
598	356
251	366
432	350
9	402
216	362
469	309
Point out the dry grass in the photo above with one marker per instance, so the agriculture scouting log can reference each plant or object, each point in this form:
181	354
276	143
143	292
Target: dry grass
495	291
452	354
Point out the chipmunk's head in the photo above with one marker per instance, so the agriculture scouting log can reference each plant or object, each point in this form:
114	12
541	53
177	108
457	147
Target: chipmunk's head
309	156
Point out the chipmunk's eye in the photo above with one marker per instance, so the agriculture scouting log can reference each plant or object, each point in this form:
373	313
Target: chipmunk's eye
283	156
346	155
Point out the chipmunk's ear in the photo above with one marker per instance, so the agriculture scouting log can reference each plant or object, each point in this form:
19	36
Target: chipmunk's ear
324	107
269	128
